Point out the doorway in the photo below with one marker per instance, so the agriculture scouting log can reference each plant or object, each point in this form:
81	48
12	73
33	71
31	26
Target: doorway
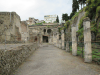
45	39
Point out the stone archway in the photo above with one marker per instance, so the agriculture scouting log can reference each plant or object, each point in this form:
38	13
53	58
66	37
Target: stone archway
49	31
45	39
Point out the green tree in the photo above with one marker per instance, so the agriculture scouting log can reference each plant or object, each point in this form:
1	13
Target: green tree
82	2
57	19
65	17
75	6
71	15
91	8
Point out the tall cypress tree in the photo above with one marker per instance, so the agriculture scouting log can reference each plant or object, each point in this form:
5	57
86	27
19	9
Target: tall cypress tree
57	19
75	6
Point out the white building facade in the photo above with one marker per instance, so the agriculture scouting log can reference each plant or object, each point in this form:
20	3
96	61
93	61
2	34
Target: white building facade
50	18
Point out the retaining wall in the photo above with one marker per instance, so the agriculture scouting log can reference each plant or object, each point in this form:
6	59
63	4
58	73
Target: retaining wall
11	59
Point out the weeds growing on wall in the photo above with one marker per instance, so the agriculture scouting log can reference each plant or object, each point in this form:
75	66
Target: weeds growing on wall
92	11
67	24
98	12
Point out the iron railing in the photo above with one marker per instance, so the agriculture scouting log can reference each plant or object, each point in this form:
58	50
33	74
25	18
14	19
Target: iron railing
95	50
80	49
70	46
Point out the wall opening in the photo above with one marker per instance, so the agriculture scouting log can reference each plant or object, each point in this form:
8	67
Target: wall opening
44	31
49	31
45	39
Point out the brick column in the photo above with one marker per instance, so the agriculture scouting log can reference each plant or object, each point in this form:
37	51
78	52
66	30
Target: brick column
74	41
87	40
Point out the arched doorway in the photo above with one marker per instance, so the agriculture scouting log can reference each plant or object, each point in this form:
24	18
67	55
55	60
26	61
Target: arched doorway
49	31
45	39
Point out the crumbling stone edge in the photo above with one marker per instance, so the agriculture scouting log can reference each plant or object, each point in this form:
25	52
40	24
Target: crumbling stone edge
10	60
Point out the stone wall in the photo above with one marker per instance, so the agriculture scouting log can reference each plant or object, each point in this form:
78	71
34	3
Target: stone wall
11	59
11	21
24	31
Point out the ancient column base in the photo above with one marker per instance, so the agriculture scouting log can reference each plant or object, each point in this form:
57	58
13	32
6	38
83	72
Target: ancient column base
74	53
56	45
63	48
67	47
67	50
60	46
88	58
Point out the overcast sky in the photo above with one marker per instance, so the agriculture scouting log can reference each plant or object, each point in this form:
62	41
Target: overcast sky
36	8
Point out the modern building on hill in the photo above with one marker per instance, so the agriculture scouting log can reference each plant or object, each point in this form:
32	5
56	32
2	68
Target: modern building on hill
50	18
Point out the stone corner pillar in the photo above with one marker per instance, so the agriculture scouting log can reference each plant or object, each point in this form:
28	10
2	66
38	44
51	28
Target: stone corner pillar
74	40
62	39
67	46
57	39
60	44
87	40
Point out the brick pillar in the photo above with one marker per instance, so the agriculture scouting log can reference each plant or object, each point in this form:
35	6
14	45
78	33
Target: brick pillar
87	40
62	39
74	41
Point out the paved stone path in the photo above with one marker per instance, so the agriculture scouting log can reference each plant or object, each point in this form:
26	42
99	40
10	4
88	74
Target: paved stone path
49	60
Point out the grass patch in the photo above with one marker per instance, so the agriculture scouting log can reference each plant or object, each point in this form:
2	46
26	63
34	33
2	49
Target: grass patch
79	50
70	48
95	53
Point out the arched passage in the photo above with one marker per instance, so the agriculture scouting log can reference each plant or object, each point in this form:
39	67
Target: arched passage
45	39
49	31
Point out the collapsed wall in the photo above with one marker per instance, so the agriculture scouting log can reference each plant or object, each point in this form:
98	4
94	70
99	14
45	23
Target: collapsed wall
11	59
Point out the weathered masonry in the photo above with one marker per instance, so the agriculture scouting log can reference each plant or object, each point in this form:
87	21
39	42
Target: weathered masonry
43	33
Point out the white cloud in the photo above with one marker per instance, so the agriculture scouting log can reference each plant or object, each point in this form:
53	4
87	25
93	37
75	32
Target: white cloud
36	8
